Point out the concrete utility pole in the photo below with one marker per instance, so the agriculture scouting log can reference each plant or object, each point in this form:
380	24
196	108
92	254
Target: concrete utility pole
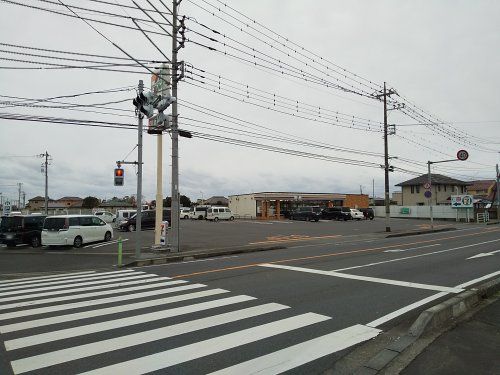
174	233
46	155
138	221
498	194
429	200
19	187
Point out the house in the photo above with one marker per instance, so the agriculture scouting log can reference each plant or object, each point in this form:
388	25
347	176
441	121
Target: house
481	188
37	203
70	202
114	205
442	188
217	201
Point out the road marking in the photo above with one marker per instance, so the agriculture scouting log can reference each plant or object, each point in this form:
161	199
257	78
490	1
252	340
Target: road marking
115	284
294	356
424	301
66	288
102	301
89	349
26	280
107	311
204	348
149	284
108	243
293	238
249	265
481	255
366	278
411	248
414	256
96	276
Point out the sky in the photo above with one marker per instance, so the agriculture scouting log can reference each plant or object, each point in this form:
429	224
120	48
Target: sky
280	72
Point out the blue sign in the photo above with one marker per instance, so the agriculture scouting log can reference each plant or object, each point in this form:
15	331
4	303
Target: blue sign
428	194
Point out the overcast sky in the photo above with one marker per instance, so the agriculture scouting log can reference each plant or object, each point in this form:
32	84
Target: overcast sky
441	56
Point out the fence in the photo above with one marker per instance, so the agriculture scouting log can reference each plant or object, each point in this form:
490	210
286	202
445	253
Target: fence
423	212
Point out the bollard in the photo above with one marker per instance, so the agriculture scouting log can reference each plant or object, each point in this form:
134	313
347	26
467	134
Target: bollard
119	251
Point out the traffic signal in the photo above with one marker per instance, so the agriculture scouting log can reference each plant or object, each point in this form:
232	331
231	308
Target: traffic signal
119	176
146	103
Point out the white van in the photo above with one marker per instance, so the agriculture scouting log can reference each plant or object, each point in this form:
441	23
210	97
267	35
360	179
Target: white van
219	213
198	212
124	215
184	212
74	230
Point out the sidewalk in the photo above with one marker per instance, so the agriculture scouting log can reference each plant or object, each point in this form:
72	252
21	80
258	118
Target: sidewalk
472	347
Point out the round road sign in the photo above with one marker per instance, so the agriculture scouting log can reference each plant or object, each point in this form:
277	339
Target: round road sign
428	194
427	185
462	155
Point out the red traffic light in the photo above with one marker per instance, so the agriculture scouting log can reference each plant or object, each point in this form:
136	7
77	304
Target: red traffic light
119	176
119	172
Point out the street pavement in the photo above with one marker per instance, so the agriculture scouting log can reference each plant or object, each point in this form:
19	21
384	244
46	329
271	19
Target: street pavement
296	310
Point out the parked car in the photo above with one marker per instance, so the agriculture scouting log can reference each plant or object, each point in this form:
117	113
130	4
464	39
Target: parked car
337	213
75	230
198	212
148	220
122	215
184	212
107	216
219	213
356	214
306	213
368	213
21	229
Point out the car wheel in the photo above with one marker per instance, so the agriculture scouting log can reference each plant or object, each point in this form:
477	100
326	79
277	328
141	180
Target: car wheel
231	218
107	236
216	219
345	219
200	217
35	241
131	228
292	218
308	218
10	244
78	242
186	217
371	218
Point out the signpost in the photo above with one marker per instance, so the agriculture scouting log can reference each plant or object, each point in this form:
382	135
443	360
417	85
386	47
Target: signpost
6	208
462	155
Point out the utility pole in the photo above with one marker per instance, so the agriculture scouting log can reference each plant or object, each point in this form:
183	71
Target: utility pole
429	200
46	155
138	221
498	194
373	192
19	187
174	238
24	199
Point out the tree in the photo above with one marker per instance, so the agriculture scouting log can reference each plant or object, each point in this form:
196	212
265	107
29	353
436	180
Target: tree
167	202
90	202
185	201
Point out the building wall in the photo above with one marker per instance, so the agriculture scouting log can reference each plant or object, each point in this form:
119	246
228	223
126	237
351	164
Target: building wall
243	205
356	201
423	212
397	197
439	195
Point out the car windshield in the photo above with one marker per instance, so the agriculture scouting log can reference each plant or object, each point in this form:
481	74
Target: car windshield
54	223
346	209
11	222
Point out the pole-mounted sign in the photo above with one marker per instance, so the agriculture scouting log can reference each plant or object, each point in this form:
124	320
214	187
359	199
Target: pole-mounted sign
462	155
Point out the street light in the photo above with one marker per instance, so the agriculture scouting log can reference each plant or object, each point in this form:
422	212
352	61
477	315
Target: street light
462	155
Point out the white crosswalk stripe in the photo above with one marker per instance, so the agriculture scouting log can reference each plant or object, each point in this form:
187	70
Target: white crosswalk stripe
56	324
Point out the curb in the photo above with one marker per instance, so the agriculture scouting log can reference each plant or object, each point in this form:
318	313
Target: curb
429	319
405	234
199	255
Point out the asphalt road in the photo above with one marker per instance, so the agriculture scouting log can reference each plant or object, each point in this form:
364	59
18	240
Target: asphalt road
201	235
296	310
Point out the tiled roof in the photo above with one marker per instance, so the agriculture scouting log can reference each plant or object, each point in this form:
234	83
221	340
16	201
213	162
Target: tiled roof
435	178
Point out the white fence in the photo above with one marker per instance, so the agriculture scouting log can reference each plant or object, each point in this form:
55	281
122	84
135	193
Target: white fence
423	212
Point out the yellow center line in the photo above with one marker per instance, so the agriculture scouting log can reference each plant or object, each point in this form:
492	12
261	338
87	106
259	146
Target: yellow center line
330	254
294	239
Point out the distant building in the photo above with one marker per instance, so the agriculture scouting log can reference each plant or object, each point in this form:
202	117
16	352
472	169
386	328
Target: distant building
217	201
272	205
70	202
37	203
442	188
397	196
481	188
114	205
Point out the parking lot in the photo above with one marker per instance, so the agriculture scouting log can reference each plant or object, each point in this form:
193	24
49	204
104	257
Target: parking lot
197	234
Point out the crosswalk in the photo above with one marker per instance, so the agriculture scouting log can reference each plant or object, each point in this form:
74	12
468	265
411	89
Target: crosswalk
134	322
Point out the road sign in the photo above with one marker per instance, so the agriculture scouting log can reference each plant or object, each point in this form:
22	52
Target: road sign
427	185
462	201
428	194
462	155
6	208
